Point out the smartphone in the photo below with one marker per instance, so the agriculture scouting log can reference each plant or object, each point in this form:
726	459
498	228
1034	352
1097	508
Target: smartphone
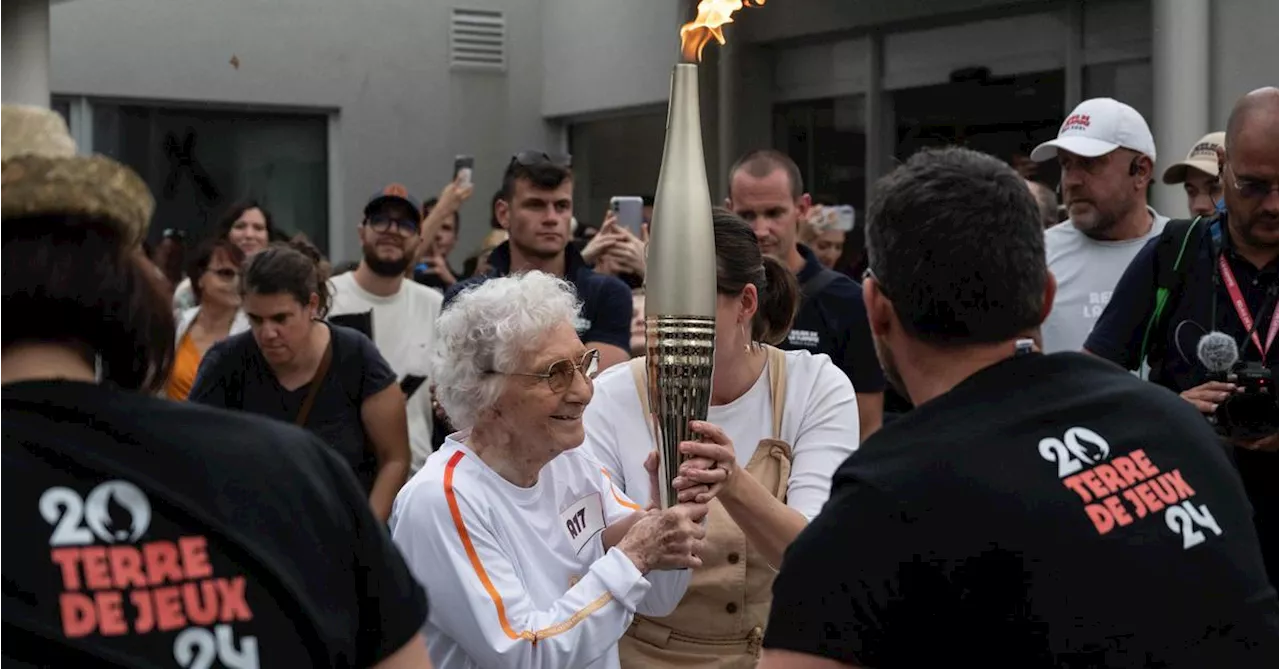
845	217
361	322
630	211
462	166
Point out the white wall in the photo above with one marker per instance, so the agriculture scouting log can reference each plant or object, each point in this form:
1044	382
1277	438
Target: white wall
790	19
381	67
1243	52
608	54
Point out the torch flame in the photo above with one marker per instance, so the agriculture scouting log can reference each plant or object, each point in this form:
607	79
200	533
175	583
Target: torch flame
712	14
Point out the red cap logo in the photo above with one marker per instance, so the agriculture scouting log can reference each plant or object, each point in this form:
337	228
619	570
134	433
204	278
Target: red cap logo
1077	122
395	190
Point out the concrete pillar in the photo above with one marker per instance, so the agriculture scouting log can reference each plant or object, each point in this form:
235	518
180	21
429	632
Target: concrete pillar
1180	48
726	120
879	140
24	52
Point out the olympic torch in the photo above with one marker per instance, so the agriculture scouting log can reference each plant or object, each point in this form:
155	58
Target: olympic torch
680	279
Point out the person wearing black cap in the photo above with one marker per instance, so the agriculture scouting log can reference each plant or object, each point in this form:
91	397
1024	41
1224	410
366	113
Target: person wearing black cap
398	314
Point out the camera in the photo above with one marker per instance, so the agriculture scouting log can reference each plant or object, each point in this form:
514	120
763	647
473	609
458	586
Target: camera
1250	413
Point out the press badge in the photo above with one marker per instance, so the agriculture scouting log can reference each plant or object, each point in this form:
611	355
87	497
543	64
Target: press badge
583	520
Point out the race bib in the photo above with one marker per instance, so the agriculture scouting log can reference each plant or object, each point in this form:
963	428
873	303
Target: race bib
583	520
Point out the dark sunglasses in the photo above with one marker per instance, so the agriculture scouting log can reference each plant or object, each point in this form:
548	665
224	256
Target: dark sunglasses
532	158
173	233
226	273
560	374
385	222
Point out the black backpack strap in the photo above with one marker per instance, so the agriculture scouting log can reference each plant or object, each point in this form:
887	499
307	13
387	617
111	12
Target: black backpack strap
1171	273
818	283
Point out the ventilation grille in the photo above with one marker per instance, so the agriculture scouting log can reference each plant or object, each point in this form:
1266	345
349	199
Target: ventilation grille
477	40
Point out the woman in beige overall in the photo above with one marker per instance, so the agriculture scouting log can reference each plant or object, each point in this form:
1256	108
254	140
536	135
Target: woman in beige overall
780	423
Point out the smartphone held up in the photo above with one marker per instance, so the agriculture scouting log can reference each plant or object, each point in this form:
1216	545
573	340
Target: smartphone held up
462	167
629	211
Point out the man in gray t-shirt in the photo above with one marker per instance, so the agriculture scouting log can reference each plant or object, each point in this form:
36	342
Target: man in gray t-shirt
1107	156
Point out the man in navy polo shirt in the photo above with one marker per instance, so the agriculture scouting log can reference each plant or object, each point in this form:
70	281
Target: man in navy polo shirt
1228	285
534	207
766	190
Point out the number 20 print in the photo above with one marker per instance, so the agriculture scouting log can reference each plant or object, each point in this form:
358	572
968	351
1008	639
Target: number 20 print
1080	446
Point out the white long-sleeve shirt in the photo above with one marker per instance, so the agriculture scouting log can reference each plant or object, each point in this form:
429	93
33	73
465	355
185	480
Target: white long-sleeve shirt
819	421
518	577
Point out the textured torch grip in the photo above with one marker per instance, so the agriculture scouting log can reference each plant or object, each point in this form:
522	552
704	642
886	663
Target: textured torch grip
680	359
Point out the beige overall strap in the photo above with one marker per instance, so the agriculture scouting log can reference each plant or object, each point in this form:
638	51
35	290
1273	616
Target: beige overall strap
642	385
777	386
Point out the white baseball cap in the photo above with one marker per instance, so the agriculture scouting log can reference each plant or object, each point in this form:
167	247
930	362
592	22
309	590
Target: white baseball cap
1097	127
1203	157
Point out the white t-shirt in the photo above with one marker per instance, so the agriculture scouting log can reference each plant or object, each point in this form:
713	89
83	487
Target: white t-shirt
819	421
404	330
1087	270
518	577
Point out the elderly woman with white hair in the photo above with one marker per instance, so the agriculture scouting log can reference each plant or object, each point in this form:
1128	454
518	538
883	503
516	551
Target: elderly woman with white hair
536	558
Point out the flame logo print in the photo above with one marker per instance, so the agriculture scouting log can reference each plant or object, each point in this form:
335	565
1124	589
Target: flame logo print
117	511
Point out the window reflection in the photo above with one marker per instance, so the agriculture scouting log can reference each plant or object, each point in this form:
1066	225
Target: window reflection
198	162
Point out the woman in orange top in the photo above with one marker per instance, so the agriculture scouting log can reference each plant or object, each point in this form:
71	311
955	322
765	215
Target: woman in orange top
215	281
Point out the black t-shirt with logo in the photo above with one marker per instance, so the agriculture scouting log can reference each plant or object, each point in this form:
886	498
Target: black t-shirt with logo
234	375
1047	511
834	322
146	533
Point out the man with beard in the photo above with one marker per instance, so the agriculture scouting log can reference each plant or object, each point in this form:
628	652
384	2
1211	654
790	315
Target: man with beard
1224	280
534	207
1033	510
1107	155
397	313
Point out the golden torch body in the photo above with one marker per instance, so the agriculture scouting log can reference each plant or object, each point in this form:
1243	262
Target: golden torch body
680	285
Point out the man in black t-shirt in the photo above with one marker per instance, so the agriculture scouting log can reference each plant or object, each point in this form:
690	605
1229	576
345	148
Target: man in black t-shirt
1033	510
766	190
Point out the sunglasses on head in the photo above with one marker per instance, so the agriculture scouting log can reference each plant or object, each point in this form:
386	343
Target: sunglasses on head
532	158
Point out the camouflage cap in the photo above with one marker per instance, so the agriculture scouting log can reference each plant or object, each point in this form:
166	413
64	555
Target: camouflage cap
43	175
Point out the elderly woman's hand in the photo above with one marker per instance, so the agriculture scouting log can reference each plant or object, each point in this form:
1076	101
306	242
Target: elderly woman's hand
669	539
712	466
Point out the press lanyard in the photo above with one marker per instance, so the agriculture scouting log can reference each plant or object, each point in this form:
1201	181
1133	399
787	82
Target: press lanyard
1242	309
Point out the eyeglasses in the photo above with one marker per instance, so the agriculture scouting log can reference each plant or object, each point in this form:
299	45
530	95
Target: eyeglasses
1250	189
532	158
385	222
173	233
560	374
226	273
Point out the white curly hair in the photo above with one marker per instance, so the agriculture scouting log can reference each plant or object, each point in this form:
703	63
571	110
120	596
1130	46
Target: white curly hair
488	328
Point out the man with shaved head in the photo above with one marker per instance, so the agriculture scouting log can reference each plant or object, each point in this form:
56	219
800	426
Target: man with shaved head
1218	274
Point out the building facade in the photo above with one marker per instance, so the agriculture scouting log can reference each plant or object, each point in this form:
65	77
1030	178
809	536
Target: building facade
311	105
